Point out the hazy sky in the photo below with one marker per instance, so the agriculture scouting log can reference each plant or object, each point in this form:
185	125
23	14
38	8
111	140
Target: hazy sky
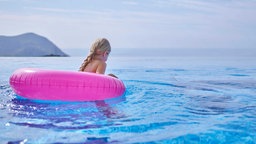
134	23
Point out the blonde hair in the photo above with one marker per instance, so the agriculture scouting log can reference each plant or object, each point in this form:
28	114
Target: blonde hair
99	46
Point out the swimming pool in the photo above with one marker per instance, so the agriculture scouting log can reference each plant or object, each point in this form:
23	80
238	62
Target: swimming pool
167	100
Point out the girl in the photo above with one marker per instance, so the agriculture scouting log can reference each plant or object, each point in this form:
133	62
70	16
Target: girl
96	60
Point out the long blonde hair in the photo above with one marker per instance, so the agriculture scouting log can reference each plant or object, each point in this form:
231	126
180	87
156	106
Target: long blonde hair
100	45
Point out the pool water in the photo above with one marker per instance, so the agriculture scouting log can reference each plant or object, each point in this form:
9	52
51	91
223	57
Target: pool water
167	100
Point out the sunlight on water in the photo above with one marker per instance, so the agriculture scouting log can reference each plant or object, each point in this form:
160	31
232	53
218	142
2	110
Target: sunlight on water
167	100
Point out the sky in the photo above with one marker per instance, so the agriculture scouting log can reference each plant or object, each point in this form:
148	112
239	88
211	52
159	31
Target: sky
70	24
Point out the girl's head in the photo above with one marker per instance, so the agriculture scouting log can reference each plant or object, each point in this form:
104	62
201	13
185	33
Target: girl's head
100	46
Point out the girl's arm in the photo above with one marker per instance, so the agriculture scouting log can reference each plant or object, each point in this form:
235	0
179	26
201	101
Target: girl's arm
112	75
101	68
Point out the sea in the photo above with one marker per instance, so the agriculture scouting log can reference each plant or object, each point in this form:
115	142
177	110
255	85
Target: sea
168	99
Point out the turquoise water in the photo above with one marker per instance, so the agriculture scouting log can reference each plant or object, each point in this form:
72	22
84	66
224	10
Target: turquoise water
167	100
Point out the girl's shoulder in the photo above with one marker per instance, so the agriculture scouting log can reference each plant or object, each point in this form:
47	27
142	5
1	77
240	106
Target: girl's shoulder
99	62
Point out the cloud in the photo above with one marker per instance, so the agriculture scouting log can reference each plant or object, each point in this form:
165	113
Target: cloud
130	23
130	2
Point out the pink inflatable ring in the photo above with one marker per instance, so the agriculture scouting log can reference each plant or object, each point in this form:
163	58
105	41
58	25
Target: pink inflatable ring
64	85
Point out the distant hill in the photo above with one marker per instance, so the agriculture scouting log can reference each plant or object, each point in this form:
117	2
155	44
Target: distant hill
28	44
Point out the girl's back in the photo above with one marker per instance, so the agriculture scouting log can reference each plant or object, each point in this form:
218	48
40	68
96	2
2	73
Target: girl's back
96	66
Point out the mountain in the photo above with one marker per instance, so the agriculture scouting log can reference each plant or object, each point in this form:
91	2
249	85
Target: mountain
28	44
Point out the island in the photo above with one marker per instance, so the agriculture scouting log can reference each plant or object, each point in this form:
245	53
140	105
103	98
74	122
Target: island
28	45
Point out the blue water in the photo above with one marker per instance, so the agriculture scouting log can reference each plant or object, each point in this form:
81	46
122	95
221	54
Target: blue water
167	100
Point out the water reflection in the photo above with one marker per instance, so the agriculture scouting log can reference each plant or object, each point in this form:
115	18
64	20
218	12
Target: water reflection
64	115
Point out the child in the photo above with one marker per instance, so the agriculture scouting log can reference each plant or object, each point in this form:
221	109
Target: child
96	60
